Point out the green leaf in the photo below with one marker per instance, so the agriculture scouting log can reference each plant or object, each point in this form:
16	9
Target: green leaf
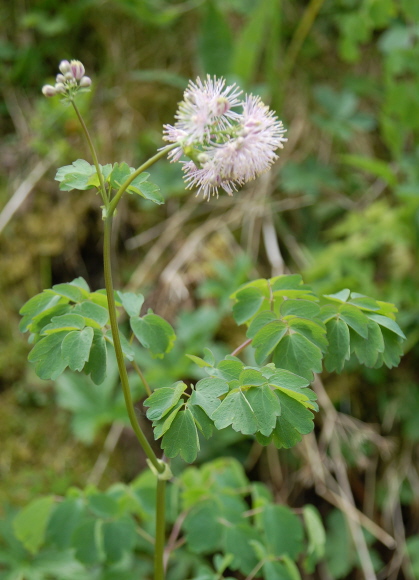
295	413
339	345
230	369
30	524
235	410
119	537
387	323
287	380
147	190
301	308
103	505
364	302
266	407
154	333
291	286
95	316
198	361
298	355
164	399
249	300
251	378
202	421
340	552
341	296
315	332
267	339
75	176
65	322
82	284
367	350
46	354
182	437
86	540
283	531
259	322
285	435
160	426
393	348
276	571
206	394
63	521
119	174
70	291
316	537
76	348
203	531
131	302
237	541
96	366
354	318
41	303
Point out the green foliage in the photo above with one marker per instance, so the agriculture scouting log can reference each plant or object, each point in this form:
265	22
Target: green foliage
110	532
69	327
82	175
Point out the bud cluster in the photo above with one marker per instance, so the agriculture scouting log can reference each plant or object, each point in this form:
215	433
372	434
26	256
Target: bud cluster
225	148
70	81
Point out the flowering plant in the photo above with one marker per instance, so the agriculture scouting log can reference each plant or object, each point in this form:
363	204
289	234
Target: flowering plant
222	141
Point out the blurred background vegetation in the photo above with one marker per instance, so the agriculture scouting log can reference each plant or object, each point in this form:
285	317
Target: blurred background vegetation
341	206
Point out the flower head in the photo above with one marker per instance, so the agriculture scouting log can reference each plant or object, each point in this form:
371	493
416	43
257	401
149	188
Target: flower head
71	80
226	148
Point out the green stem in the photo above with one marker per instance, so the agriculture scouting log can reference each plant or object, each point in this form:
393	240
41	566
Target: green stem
143	167
160	530
159	466
93	152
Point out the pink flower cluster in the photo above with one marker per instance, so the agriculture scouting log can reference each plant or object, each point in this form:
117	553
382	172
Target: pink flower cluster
70	80
226	148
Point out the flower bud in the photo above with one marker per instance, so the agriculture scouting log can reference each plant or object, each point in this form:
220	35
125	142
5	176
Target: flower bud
64	66
85	82
60	88
60	79
69	76
77	69
48	91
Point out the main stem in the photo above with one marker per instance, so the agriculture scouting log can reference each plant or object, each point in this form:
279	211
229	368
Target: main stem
118	349
93	153
160	530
